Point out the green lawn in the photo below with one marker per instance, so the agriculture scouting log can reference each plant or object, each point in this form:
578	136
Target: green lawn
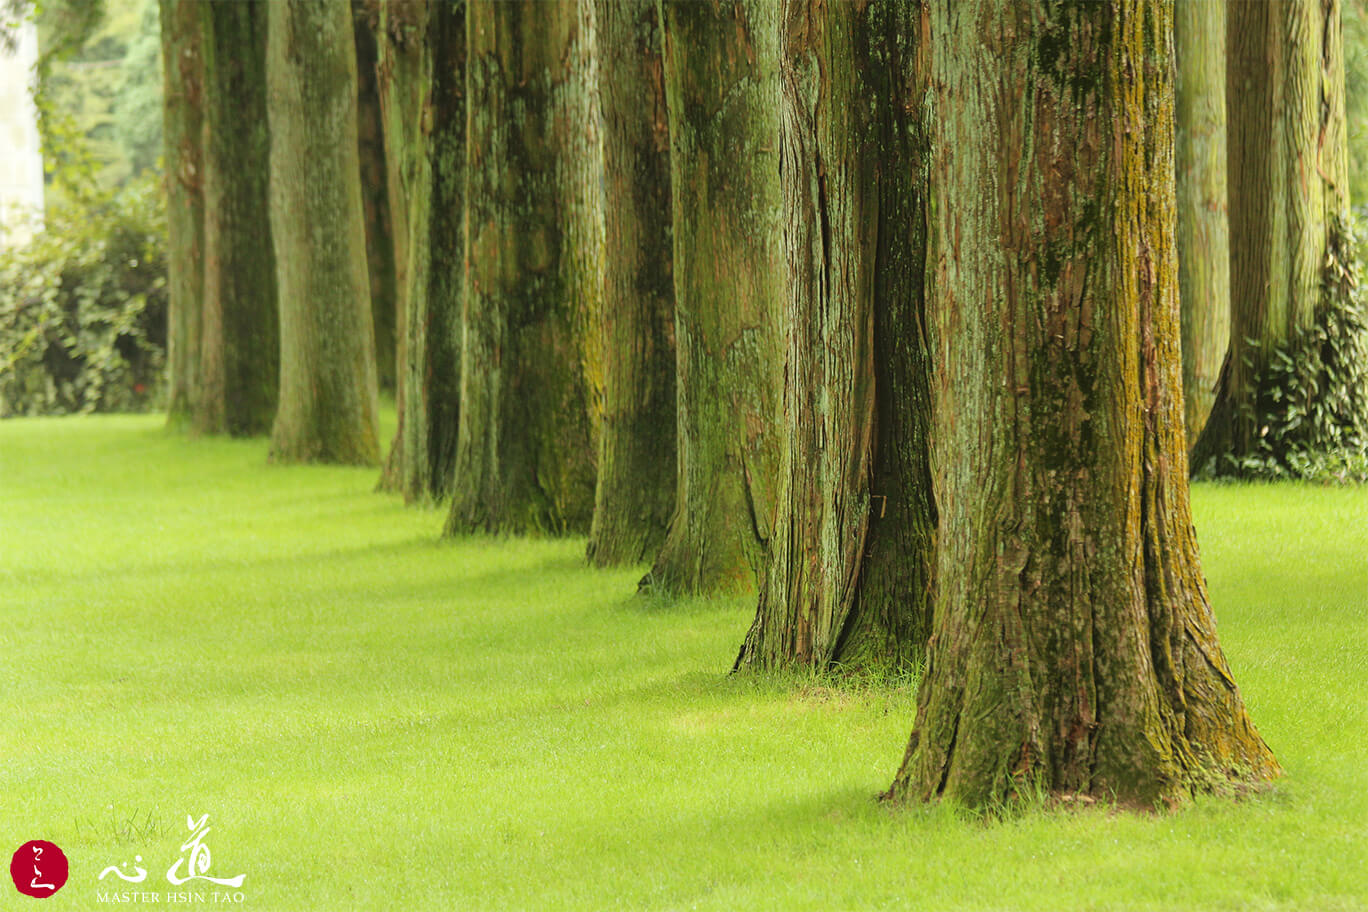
376	719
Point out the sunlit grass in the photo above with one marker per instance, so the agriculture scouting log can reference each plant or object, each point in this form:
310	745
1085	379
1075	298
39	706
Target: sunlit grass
376	719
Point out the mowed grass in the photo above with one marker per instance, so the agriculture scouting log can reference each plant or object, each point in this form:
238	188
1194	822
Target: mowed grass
374	718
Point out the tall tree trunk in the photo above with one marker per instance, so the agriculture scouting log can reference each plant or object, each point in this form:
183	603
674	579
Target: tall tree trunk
635	494
722	89
239	333
1290	258
375	195
1074	649
422	93
328	410
182	36
848	577
1203	226
525	446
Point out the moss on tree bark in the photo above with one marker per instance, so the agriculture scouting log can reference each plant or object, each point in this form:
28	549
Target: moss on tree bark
422	91
239	331
525	445
635	492
182	38
375	195
328	410
722	89
1074	649
848	576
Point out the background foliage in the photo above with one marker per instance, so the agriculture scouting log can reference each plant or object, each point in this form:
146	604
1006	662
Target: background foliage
83	309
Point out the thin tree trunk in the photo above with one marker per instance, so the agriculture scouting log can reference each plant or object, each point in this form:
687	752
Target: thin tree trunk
854	489
1203	226
183	141
1288	178
239	333
422	92
375	196
328	410
722	89
635	494
525	446
1074	649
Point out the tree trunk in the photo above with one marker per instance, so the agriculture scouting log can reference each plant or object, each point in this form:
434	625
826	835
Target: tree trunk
525	446
328	410
635	495
1074	650
1203	227
239	340
722	88
848	577
375	196
183	141
422	93
1290	259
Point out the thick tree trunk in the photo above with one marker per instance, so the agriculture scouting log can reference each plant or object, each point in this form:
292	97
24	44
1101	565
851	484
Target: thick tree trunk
239	333
1074	650
1288	180
722	87
848	577
182	33
525	446
635	494
375	195
328	410
1203	227
422	93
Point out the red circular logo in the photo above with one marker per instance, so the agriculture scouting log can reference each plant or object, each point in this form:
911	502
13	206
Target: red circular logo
39	868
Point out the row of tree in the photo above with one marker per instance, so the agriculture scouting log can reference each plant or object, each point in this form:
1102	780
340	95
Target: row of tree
874	305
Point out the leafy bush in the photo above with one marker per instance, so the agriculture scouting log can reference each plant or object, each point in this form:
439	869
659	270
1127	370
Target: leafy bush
1312	409
83	310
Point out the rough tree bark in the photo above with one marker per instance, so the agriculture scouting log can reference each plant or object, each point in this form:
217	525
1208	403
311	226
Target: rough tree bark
183	143
1288	185
1203	226
422	94
848	576
375	195
328	409
239	332
1074	650
525	446
635	493
722	90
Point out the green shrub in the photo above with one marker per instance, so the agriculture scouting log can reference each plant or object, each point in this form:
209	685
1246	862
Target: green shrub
83	310
1312	408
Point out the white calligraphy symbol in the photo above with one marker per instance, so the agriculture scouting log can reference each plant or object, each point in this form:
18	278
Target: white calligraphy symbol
142	872
199	857
34	884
